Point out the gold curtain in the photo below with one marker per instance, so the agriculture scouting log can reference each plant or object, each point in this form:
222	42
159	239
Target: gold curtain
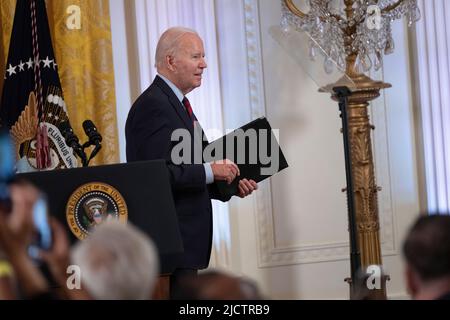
7	8
81	34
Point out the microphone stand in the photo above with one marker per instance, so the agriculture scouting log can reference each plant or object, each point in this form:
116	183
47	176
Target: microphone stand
94	139
342	93
72	141
82	155
94	152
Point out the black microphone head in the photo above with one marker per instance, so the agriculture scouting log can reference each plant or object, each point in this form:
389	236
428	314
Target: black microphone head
91	131
67	132
88	125
72	140
64	126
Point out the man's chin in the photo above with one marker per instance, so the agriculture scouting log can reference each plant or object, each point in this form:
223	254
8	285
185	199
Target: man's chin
194	85
197	84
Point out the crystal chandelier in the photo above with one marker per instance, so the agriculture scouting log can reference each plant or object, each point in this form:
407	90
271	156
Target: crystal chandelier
352	34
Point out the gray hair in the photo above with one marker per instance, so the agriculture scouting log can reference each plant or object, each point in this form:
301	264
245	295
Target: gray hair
117	261
168	43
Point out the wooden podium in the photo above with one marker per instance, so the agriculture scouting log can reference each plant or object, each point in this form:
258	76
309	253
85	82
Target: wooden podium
139	190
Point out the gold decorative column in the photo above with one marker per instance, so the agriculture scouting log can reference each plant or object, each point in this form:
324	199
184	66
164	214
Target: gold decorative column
364	90
363	173
365	189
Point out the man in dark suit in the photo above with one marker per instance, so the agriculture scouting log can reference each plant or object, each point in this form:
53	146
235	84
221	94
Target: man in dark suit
163	109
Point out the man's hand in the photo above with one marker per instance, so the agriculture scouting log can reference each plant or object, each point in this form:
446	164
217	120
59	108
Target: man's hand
246	187
16	234
57	258
225	170
16	228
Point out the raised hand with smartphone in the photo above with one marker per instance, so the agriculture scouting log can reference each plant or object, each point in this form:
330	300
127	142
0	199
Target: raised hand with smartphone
17	233
26	236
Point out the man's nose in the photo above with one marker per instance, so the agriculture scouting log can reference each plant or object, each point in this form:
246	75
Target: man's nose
203	63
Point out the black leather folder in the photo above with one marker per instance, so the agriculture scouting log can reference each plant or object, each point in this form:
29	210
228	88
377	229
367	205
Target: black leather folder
254	148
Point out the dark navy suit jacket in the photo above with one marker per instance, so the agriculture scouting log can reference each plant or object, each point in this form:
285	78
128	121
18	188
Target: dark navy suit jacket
150	123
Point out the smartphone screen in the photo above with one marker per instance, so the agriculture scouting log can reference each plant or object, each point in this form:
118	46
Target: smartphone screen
43	238
7	163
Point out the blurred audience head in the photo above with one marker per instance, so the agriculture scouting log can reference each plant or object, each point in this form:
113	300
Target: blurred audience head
117	261
217	285
427	253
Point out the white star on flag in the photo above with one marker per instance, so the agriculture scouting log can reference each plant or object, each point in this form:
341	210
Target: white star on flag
29	63
21	65
47	62
11	70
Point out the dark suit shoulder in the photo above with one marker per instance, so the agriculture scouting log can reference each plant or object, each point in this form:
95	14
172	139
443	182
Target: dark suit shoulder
152	97
152	104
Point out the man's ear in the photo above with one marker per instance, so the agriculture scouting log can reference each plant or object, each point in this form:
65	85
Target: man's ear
170	62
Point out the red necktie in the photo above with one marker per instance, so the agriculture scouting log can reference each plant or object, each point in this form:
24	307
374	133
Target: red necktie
188	107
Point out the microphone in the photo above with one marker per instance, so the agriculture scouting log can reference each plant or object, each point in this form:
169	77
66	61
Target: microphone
91	131
72	140
94	136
